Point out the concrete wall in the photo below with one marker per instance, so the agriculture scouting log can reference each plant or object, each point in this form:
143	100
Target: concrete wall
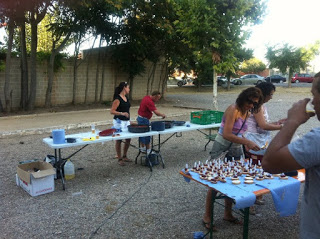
62	89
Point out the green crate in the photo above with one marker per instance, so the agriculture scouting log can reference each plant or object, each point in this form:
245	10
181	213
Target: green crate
206	117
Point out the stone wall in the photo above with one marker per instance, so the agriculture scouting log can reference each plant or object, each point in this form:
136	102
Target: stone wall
62	89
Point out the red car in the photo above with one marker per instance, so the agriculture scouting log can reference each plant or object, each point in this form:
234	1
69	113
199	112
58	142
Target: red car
302	77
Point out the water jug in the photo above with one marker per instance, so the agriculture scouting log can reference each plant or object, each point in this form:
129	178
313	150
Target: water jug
69	170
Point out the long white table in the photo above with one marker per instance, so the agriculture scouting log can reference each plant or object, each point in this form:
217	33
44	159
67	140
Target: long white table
82	141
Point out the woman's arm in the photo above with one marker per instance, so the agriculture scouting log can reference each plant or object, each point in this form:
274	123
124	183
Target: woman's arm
263	124
115	105
230	118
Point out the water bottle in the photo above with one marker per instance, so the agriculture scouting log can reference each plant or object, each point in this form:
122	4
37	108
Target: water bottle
68	168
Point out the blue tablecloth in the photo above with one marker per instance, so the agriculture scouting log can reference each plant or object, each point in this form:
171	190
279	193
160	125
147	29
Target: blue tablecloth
285	193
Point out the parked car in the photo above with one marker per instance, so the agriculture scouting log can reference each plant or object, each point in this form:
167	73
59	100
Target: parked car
275	79
302	77
183	81
248	79
220	81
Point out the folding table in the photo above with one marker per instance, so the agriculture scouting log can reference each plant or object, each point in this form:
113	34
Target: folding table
87	138
216	194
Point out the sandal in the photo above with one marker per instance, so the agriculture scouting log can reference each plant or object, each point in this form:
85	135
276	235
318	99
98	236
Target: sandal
121	162
259	202
208	225
234	221
124	158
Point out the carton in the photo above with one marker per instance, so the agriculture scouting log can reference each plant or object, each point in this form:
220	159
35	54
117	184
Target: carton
36	178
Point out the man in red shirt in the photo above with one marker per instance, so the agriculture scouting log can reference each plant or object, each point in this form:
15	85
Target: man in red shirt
146	109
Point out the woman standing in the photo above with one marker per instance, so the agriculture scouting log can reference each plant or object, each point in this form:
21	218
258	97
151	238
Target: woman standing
259	126
121	111
259	130
229	138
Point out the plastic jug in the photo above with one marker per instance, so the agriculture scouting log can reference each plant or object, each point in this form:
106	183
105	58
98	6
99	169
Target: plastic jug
68	168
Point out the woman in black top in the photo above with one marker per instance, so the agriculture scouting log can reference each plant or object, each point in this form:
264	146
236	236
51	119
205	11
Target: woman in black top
121	111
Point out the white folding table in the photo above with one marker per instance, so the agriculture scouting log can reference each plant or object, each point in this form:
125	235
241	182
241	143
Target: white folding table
85	139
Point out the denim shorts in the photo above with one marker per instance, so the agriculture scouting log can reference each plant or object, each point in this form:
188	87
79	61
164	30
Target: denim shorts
143	121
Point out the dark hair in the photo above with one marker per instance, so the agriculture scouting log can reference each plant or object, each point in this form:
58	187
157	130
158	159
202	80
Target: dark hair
156	92
119	88
318	82
248	94
266	88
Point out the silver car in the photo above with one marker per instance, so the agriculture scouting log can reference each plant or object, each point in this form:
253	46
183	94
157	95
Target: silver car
248	79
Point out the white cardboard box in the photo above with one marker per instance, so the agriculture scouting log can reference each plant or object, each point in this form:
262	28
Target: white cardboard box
36	182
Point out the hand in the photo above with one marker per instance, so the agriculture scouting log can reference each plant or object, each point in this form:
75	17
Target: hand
163	116
281	121
298	113
125	114
253	146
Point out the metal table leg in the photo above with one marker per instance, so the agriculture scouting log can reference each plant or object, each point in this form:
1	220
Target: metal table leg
245	222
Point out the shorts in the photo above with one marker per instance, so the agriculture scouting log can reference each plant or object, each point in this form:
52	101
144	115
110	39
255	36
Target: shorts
144	121
123	125
220	145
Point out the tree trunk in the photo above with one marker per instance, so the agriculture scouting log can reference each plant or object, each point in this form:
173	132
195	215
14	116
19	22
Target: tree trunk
151	78
131	87
75	72
97	73
104	64
215	92
33	63
7	100
24	68
75	76
289	77
164	77
87	82
50	70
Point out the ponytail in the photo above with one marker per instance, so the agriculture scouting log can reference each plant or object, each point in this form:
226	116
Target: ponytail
118	89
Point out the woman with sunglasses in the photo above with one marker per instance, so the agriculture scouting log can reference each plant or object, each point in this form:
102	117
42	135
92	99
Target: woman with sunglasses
259	129
121	111
229	138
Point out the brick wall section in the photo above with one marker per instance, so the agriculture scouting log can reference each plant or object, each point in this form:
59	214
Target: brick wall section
62	89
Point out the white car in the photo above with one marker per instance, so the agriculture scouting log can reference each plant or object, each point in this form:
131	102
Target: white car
248	80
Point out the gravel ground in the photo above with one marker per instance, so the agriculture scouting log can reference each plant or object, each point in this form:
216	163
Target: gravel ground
108	201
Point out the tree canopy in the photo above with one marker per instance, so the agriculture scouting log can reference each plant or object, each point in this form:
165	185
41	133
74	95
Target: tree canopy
186	34
288	58
252	65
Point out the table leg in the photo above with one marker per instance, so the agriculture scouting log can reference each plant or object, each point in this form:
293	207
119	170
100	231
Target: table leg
246	223
60	169
213	198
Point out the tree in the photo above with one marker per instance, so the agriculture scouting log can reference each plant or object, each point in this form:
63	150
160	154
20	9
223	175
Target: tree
252	66
289	58
217	27
11	14
145	32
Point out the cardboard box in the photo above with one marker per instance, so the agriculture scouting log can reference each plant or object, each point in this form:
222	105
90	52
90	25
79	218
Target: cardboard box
36	178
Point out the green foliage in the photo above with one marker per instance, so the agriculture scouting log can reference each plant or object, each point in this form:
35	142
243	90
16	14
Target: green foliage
288	57
218	28
58	63
2	59
252	66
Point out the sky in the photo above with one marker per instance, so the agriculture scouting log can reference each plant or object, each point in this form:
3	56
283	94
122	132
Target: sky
286	21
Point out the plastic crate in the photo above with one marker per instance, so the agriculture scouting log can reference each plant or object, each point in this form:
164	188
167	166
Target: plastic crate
206	117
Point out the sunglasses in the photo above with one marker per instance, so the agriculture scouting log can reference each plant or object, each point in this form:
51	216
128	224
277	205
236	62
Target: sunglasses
255	104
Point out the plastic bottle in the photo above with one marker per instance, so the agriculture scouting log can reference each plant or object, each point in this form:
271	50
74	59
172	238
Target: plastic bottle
69	172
